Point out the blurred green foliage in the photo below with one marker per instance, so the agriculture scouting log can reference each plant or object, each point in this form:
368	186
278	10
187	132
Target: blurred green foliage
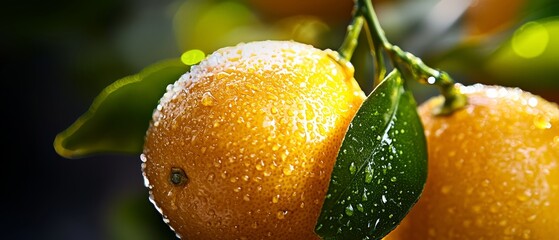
132	217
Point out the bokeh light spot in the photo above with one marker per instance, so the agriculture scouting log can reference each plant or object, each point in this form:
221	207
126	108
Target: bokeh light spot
530	40
192	57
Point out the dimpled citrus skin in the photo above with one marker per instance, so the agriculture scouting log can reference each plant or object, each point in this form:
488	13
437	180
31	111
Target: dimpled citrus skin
256	128
493	169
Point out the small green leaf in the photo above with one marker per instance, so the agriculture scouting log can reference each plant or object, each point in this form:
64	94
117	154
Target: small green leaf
381	167
119	116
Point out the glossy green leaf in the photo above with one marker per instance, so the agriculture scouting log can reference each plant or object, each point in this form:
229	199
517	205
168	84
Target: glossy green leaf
381	167
119	116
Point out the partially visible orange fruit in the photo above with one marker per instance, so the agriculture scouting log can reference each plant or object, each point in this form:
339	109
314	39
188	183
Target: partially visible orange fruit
492	16
330	11
242	146
493	169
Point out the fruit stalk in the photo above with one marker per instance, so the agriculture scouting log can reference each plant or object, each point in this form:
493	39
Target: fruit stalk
409	65
352	35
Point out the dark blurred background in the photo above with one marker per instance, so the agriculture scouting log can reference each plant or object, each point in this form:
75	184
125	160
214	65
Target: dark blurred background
56	56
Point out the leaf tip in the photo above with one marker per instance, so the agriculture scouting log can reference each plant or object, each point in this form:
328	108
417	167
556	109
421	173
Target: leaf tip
61	148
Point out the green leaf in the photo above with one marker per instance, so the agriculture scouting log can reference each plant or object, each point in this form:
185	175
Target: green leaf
133	217
119	116
381	168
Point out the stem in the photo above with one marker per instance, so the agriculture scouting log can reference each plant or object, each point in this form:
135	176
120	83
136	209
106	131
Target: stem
409	65
376	37
352	36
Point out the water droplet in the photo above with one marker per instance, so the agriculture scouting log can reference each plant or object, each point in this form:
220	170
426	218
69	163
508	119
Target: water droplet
217	163
360	207
275	199
284	156
431	80
260	166
221	75
207	99
542	122
393	179
532	102
211	177
288	170
349	210
352	168
368	174
267	173
509	231
446	189
524	196
531	218
383	198
145	177
526	234
281	214
246	197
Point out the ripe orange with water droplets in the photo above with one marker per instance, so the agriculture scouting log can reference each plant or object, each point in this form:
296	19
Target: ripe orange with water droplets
242	146
493	169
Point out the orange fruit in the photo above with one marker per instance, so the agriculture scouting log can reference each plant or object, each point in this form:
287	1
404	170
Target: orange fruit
492	16
331	11
242	146
493	169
